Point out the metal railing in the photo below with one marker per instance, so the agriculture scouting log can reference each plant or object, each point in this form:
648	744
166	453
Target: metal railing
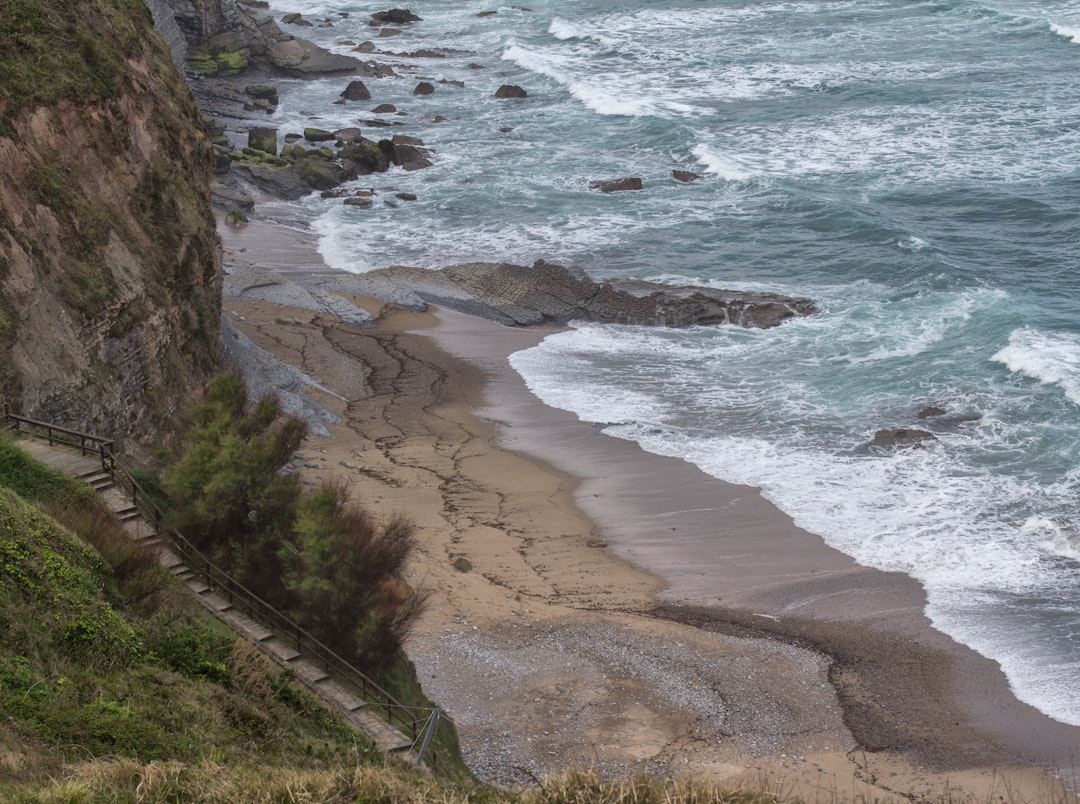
395	713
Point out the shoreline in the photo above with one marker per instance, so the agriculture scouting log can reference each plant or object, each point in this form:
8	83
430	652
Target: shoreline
555	527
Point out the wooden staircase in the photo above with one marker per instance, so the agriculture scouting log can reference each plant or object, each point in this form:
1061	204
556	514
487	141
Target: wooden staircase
336	692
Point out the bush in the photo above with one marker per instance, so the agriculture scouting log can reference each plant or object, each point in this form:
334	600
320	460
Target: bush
343	574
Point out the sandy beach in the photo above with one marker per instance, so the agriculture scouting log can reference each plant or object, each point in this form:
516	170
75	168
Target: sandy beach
596	606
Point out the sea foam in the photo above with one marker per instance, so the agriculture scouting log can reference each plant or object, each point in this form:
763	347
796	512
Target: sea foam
1049	357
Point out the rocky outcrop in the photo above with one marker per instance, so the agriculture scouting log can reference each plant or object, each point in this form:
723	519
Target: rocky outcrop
511	91
545	292
109	272
235	34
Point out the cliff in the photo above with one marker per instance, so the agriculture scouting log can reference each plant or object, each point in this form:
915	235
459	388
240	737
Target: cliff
109	267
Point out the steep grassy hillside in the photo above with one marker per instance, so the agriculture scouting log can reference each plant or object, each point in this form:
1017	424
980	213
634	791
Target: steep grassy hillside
109	276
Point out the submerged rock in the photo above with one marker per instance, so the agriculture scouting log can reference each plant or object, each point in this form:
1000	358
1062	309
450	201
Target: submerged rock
900	437
616	185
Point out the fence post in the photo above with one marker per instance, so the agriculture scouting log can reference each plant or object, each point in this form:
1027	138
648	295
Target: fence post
433	723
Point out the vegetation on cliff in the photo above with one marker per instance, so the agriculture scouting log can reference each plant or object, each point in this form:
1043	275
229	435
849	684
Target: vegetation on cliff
327	564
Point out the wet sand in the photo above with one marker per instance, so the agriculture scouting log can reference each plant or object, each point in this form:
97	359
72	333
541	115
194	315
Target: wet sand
597	606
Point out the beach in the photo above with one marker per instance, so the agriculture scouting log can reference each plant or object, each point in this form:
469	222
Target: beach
598	607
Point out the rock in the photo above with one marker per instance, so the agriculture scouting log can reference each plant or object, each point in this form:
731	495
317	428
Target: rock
510	91
317	172
230	195
293	137
616	185
277	182
363	158
263	92
354	201
395	16
296	19
505	129
405	139
263	139
900	437
356	91
410	158
318	135
684	176
405	196
236	217
487	14
347	136
424	88
451	82
302	59
475	66
438	119
387	32
364	47
930	412
462	564
222	162
384	108
596	543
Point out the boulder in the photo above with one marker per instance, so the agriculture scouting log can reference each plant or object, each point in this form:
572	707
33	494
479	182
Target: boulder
356	91
355	201
388	32
346	136
318	172
395	16
511	91
318	135
278	182
405	139
364	47
616	185
296	19
303	59
263	92
363	158
900	437
931	411
222	162
264	139
405	196
410	158
384	108
684	176
424	88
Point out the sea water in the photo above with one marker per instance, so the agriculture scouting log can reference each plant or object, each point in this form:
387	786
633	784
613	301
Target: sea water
911	165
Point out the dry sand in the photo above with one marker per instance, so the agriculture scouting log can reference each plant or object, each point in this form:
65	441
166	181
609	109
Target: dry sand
750	653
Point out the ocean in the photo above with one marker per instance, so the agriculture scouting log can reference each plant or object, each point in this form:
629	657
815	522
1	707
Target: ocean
911	165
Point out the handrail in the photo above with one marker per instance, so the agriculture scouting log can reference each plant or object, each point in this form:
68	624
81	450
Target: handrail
55	434
237	593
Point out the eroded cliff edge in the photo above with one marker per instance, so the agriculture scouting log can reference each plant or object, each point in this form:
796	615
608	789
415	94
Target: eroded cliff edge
109	265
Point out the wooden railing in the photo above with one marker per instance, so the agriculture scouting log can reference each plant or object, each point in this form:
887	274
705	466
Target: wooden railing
395	713
84	442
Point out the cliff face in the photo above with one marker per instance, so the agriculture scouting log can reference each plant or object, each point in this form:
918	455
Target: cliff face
109	271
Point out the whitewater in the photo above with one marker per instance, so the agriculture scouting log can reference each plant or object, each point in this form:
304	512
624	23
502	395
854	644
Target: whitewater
911	166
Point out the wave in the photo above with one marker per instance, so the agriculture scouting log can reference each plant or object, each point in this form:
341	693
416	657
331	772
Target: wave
1072	34
563	30
589	94
1052	358
720	165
